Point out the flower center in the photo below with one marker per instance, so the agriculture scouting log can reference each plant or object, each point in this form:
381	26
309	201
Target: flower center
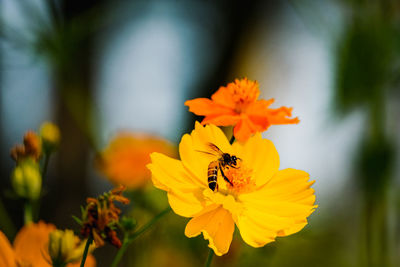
243	93
240	178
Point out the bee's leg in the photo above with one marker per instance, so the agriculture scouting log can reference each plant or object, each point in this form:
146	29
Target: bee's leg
223	175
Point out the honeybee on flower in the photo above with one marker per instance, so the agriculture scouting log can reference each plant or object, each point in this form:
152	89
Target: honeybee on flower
261	200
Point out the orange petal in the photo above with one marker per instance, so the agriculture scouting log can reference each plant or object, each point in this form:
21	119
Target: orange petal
204	107
259	107
37	234
244	129
7	255
224	97
221	120
217	226
281	116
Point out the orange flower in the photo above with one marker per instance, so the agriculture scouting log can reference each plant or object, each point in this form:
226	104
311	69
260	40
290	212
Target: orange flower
237	104
124	160
31	248
101	217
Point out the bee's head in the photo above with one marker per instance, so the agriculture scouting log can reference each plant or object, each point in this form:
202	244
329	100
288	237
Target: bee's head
233	160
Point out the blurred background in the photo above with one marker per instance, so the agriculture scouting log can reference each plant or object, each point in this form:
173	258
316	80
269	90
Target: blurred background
98	67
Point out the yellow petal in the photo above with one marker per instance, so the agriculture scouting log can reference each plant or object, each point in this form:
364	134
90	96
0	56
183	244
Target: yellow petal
278	208
186	204
253	233
184	194
216	225
193	147
168	173
7	255
260	155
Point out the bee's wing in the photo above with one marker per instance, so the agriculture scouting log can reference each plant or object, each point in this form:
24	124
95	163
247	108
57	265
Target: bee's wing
209	153
215	148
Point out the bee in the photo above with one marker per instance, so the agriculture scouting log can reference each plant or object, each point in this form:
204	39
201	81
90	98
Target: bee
225	160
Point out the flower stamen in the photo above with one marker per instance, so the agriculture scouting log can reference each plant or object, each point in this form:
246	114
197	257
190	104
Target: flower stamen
241	179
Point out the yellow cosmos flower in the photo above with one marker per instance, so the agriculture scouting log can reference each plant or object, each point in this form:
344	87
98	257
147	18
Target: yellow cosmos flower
261	200
124	160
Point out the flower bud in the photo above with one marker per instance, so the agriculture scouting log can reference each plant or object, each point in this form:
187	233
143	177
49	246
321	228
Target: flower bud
50	135
27	180
32	144
65	247
128	223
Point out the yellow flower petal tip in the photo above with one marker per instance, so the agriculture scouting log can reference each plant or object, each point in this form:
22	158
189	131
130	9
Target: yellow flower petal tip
237	104
219	185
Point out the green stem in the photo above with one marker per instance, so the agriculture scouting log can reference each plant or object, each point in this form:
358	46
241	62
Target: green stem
28	216
85	252
121	252
45	164
6	223
130	238
209	258
36	208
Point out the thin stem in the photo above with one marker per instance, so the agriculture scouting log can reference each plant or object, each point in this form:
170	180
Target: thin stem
209	258
145	227
85	252
45	164
6	223
130	238
28	216
36	208
121	252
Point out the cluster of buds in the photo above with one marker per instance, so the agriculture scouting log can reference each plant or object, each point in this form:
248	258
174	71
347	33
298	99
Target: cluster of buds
100	218
26	178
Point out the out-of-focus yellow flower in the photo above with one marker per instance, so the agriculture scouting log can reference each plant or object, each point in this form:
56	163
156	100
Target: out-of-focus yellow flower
26	179
237	104
124	160
261	200
50	134
31	248
65	247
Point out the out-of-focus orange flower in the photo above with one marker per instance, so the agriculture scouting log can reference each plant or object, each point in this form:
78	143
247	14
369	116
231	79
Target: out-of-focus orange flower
125	158
101	217
30	248
237	105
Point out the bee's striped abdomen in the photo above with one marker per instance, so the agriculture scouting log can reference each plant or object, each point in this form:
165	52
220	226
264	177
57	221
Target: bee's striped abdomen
212	175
